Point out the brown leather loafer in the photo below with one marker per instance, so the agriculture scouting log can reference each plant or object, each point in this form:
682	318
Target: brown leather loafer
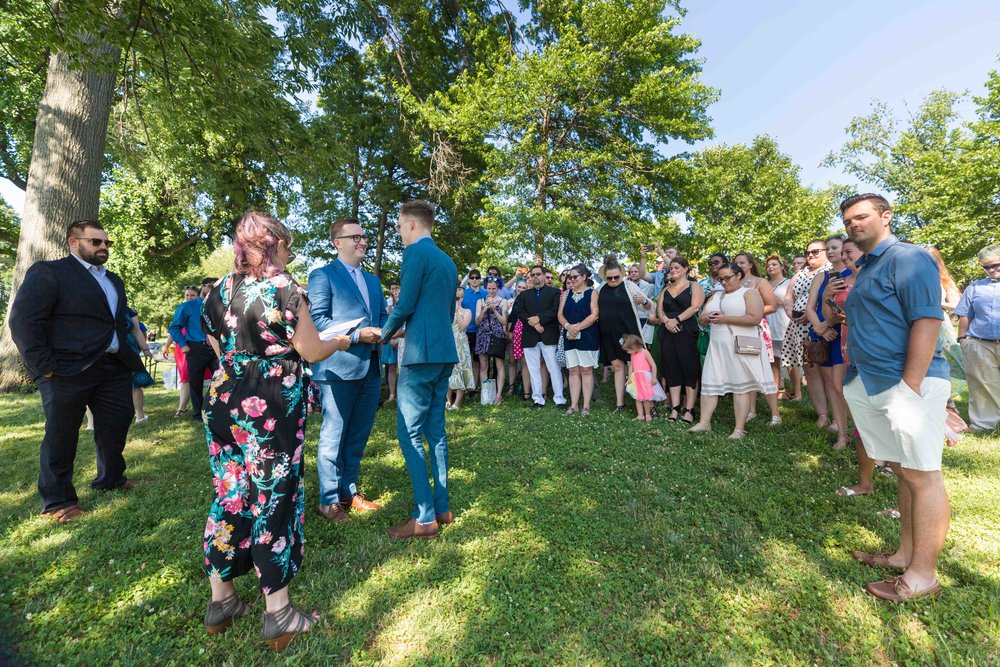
415	530
334	513
360	503
445	518
895	589
64	514
874	560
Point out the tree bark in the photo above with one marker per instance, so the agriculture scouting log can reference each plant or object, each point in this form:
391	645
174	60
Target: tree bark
383	221
64	178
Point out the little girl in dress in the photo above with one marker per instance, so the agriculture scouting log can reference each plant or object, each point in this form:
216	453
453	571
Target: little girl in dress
642	370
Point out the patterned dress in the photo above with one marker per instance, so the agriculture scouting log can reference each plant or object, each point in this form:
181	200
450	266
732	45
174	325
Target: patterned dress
255	425
791	349
461	374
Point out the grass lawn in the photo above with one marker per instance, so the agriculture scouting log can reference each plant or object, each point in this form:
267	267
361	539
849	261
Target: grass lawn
577	541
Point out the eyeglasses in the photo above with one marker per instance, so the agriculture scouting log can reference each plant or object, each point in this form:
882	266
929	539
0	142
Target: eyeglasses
357	238
536	275
612	278
493	275
571	276
815	251
97	243
991	267
724	279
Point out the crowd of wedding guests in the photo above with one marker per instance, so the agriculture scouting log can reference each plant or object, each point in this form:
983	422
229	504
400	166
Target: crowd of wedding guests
861	320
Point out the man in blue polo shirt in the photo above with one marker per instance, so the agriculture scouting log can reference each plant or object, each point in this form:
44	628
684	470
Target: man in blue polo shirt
187	333
897	387
474	293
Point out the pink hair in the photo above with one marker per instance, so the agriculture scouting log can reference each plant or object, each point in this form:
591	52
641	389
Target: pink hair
256	244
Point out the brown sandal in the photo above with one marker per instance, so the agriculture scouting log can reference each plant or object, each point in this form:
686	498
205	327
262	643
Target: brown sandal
64	514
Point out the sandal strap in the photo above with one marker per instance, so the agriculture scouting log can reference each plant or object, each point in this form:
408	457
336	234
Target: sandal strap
230	607
287	620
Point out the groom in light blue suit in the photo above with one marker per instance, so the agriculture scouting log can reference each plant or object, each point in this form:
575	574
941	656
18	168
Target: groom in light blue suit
426	306
349	382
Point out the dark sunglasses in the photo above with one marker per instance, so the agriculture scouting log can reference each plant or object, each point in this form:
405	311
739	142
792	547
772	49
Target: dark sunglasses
815	251
610	278
991	267
475	277
357	238
97	243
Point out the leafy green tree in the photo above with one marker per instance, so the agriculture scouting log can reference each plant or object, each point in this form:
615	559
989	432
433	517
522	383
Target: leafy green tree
743	198
941	171
570	124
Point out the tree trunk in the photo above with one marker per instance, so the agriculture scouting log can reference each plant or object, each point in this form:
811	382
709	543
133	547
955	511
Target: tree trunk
383	222
64	178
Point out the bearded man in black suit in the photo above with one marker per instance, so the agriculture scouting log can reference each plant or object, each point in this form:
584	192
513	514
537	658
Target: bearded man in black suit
68	322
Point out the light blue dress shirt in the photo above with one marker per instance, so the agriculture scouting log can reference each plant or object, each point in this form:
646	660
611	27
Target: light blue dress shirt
110	293
981	304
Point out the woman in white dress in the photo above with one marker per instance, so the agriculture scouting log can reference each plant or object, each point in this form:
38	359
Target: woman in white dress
735	311
777	275
461	379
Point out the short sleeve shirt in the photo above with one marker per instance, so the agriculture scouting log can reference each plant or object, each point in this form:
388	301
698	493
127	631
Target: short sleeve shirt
897	284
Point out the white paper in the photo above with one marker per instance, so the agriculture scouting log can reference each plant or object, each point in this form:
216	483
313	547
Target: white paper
339	329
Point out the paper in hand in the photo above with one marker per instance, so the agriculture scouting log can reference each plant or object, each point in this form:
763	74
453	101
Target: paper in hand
340	329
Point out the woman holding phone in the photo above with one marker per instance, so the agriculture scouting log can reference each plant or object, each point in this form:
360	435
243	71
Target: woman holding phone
796	297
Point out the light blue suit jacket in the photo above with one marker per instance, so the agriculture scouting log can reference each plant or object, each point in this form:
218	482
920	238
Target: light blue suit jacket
427	284
334	297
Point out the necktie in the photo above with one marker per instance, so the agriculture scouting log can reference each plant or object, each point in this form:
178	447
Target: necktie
360	280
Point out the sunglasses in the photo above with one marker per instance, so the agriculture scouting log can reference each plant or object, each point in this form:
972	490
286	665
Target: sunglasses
991	267
611	278
97	243
475	278
724	279
357	238
815	251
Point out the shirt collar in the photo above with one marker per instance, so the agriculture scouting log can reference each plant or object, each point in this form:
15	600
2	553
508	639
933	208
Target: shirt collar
878	250
88	266
350	269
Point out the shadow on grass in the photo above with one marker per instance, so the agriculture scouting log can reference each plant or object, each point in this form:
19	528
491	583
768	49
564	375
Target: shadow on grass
575	541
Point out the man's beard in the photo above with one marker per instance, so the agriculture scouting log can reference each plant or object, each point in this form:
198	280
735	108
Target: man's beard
95	256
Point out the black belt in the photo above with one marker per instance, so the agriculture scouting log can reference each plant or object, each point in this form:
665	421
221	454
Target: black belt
985	340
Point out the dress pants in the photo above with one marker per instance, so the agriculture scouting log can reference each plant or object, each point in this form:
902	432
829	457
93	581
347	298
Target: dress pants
349	408
982	371
420	397
106	387
200	357
533	356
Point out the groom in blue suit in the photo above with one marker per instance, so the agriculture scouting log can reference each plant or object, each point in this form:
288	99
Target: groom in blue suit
426	306
349	382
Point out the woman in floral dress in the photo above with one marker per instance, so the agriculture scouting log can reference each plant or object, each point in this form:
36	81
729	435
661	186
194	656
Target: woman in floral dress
257	319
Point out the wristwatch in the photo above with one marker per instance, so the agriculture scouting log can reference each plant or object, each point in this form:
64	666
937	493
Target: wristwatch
961	338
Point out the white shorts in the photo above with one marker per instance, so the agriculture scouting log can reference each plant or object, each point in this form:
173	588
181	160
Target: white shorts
899	425
585	358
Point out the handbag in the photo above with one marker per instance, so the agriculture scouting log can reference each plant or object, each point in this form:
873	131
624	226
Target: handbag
816	351
744	344
487	392
561	349
497	347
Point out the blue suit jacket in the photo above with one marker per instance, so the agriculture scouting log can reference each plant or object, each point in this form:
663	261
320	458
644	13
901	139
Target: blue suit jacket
334	297
427	284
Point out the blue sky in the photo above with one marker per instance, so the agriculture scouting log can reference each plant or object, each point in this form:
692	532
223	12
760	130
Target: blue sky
800	71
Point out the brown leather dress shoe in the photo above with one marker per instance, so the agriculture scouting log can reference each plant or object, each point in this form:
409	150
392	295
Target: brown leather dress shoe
895	589
360	503
334	513
445	518
413	529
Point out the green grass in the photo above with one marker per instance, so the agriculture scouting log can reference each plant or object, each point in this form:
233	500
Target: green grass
577	541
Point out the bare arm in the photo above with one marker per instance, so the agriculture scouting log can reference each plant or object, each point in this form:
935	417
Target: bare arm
768	296
951	298
307	342
963	326
920	350
811	315
789	301
140	337
464	317
480	310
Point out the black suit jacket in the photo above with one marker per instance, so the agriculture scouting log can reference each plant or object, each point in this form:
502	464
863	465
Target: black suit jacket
548	316
60	320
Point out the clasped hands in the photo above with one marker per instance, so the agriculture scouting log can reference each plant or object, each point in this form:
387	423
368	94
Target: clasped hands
535	323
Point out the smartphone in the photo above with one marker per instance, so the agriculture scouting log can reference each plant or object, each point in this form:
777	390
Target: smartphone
353	329
649	247
798	313
837	310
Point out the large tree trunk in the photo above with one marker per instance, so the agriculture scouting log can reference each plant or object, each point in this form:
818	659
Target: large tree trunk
64	179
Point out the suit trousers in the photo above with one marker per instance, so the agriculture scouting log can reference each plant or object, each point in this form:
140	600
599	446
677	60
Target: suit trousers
106	387
349	408
200	357
533	356
420	397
